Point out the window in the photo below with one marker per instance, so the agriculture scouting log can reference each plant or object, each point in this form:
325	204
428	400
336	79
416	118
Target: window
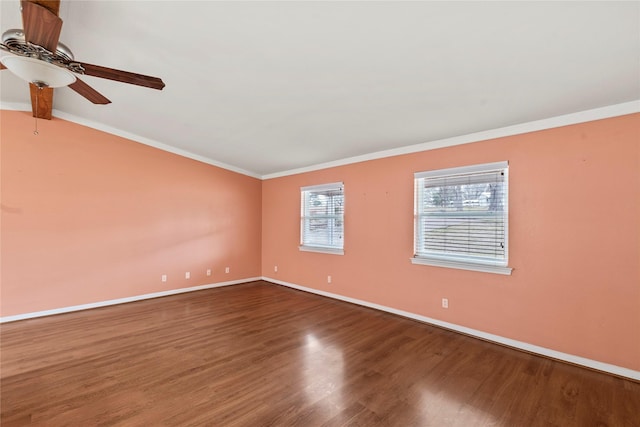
461	218
322	218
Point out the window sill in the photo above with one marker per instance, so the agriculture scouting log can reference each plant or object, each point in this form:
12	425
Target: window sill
485	268
322	250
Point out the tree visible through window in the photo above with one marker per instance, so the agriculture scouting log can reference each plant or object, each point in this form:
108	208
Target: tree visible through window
322	217
461	215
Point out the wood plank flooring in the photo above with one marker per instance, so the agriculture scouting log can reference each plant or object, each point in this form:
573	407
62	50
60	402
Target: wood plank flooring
258	354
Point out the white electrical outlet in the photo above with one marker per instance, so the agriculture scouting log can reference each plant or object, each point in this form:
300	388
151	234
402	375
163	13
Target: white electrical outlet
163	278
445	303
208	272
275	268
187	275
328	279
226	269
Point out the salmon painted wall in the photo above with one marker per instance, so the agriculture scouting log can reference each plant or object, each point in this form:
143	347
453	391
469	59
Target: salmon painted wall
89	217
574	240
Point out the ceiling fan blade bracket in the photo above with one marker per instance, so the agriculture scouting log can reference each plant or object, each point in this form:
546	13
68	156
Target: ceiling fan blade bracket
75	67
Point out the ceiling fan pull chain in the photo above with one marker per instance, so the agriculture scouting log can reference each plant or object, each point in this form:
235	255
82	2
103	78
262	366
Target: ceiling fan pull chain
35	132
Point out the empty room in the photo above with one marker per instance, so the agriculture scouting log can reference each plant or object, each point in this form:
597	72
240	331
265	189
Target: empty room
323	213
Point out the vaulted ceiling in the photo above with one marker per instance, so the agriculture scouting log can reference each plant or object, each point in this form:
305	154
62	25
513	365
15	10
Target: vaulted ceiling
265	87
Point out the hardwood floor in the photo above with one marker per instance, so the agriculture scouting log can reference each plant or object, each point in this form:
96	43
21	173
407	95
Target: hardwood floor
259	354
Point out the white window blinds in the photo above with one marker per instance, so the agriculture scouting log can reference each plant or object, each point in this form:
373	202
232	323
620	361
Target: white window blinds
461	214
322	217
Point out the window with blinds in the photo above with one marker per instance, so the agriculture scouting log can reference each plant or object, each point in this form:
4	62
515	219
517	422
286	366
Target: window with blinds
322	218
461	217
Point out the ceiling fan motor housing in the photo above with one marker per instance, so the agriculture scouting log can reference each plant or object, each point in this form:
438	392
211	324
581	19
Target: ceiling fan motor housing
14	39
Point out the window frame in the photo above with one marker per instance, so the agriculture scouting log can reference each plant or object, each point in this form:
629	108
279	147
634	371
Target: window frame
473	263
327	249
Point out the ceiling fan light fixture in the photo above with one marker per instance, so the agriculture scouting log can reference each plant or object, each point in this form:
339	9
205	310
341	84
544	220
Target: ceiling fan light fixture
35	70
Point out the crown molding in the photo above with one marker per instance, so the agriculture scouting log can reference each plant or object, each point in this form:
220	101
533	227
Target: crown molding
57	114
609	111
538	125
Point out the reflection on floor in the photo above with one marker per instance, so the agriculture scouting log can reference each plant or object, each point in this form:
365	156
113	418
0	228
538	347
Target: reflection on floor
259	354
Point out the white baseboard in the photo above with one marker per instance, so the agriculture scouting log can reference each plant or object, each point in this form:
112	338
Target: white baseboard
553	354
577	360
122	300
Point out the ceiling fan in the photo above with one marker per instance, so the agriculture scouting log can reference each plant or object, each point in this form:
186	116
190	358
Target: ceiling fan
39	58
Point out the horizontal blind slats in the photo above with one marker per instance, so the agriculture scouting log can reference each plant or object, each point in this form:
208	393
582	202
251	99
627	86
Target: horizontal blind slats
485	178
322	216
462	214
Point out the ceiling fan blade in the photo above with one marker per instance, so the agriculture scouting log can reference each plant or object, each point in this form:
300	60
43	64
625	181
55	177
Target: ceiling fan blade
44	105
88	92
41	26
122	76
2	67
52	5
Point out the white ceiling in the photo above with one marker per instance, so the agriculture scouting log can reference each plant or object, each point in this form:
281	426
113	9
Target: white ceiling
266	87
